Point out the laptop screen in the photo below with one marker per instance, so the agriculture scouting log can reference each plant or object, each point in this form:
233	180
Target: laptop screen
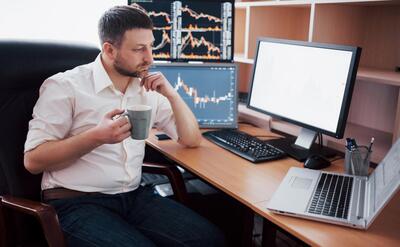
387	177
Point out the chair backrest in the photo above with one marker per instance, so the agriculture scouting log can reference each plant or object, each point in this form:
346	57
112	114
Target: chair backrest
23	68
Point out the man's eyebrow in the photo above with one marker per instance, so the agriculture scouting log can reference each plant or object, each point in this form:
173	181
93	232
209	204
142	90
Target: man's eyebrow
152	43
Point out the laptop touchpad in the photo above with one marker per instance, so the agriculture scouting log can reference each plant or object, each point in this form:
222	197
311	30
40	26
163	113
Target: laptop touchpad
301	183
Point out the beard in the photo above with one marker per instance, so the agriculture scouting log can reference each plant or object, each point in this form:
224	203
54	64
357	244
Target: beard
122	70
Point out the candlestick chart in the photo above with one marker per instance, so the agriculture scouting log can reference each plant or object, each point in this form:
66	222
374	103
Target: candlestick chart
190	30
209	91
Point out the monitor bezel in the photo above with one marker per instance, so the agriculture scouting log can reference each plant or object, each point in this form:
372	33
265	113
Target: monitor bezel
235	123
199	60
355	58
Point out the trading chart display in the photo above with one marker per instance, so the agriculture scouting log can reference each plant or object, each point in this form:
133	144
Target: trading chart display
191	30
209	90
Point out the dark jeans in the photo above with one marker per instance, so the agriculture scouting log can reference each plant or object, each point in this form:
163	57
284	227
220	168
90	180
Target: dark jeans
136	218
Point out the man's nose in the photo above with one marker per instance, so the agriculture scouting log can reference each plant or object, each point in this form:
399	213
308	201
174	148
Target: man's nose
148	57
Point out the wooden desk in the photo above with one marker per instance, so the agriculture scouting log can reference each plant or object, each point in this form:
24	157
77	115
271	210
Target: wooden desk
253	185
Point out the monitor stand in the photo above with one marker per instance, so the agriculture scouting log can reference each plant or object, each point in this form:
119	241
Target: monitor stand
303	146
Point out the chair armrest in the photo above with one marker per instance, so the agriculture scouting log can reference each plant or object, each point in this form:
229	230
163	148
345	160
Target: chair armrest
174	176
43	212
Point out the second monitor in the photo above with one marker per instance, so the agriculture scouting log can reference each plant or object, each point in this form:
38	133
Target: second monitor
210	91
304	83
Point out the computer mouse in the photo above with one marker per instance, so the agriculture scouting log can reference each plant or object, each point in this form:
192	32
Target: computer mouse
316	162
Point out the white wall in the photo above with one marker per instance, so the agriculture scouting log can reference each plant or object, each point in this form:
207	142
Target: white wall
69	20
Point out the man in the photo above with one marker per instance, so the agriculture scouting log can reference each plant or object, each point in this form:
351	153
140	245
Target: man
81	145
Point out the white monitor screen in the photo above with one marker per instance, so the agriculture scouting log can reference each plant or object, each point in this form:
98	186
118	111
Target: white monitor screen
302	83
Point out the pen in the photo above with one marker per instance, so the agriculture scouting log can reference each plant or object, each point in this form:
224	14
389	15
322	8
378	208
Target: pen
365	161
370	144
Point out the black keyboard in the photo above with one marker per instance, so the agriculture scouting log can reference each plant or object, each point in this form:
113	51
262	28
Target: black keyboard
332	196
244	145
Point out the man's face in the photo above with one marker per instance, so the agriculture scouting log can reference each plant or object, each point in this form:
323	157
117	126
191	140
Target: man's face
134	56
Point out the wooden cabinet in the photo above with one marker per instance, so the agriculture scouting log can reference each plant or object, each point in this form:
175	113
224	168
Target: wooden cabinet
373	25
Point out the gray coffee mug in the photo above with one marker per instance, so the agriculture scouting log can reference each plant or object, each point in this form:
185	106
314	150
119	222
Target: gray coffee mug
139	117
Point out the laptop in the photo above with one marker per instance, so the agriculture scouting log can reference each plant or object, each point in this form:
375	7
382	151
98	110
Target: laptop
353	201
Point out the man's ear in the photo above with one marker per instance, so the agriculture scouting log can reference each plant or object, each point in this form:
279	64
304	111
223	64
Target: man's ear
109	50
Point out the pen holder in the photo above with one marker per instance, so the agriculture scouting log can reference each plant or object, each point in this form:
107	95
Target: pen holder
357	161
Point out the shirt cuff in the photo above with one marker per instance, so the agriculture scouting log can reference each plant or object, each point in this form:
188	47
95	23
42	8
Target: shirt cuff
36	138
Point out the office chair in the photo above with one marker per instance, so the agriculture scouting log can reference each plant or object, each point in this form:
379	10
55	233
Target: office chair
23	68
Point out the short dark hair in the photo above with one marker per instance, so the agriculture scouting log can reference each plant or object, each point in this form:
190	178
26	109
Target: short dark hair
119	19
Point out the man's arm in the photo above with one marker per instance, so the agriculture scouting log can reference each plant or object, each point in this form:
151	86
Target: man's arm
55	155
186	123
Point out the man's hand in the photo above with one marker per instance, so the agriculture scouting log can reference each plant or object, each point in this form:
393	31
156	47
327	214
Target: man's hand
55	155
157	82
113	129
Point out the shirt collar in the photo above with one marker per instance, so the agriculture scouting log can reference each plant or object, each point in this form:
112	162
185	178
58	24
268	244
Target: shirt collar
100	76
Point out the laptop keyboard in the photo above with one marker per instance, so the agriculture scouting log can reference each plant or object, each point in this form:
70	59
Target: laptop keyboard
332	196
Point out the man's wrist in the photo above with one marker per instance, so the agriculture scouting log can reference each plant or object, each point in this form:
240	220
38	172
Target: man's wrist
93	136
173	96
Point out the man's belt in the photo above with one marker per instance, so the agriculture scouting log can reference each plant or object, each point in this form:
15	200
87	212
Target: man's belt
62	193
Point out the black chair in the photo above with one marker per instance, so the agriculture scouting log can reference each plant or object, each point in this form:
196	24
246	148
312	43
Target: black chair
24	220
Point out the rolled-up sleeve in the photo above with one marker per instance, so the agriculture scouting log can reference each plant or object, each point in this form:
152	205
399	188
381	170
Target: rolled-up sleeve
52	114
165	120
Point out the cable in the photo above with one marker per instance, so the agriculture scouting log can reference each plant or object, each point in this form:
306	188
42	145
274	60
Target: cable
336	159
321	142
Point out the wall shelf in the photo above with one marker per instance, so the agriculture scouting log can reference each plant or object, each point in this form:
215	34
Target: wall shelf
379	76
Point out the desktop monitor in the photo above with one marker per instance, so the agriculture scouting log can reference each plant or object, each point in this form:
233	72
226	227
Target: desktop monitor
304	83
209	89
191	30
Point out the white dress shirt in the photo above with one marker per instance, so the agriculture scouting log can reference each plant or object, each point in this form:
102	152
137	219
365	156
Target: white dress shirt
77	100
